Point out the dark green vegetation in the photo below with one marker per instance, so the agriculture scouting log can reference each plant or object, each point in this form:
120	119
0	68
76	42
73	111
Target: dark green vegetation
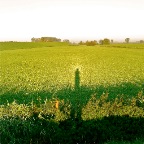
107	106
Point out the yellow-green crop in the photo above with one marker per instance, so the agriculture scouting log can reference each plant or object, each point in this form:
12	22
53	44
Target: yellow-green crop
34	72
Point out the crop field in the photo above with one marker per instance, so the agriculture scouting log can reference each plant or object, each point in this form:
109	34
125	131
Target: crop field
46	68
35	76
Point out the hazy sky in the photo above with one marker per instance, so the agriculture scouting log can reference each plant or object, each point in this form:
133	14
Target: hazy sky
71	19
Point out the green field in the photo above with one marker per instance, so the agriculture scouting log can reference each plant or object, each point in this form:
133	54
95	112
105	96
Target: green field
46	68
38	74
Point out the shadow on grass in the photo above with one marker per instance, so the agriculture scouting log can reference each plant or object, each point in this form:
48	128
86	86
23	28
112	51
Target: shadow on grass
84	93
42	131
73	130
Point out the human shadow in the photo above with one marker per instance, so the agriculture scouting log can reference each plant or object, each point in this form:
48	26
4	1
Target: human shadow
73	129
77	97
82	92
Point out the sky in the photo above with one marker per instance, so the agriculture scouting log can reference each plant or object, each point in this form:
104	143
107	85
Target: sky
76	20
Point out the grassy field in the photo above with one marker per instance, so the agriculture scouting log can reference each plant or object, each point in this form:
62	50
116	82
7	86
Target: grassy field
117	70
36	75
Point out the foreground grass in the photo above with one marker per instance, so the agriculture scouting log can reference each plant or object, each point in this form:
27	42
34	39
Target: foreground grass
106	130
98	121
138	141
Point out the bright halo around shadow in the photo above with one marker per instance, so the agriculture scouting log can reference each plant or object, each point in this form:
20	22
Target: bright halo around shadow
78	66
72	71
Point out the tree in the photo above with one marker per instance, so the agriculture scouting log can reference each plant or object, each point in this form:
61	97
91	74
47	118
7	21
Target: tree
95	42
33	39
127	40
42	39
91	43
111	40
101	42
81	43
86	43
141	41
66	40
106	41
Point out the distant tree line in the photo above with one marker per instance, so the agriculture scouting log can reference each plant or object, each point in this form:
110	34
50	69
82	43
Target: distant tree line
46	39
94	42
104	41
141	41
127	40
88	43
